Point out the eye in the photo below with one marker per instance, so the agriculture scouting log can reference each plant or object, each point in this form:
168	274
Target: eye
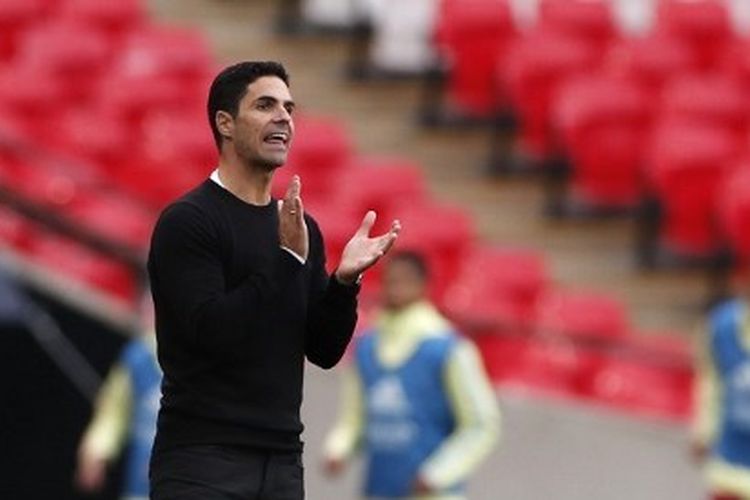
289	109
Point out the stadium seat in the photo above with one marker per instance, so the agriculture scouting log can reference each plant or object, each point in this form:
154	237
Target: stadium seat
157	50
16	16
652	60
16	231
73	54
640	387
377	183
443	233
704	24
64	257
714	100
497	289
684	168
472	36
535	67
587	316
321	149
113	216
114	18
602	124
734	212
592	20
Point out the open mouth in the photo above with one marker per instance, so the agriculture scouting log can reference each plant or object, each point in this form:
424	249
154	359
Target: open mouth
277	138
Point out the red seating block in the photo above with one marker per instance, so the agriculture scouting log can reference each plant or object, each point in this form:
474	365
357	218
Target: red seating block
603	125
497	289
582	315
472	36
16	16
65	257
115	18
685	168
712	99
704	24
592	20
536	66
734	211
652	60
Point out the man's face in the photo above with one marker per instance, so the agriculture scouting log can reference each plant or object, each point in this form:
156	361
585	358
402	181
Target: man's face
402	285
263	129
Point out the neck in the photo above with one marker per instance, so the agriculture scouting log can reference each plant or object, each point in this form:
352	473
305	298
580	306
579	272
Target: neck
247	182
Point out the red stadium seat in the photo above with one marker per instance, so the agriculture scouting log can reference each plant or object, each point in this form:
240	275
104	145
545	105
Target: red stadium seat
181	53
16	231
497	288
93	134
734	211
377	183
582	315
652	60
115	18
113	216
715	100
16	16
320	151
704	24
736	61
74	54
592	20
63	257
31	97
536	66
603	127
685	168
641	387
442	233
472	36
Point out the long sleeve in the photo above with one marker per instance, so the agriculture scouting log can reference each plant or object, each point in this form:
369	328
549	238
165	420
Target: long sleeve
187	273
707	395
333	311
106	433
346	436
477	420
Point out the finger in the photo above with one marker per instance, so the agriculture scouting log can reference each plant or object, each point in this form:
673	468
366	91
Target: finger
293	188
280	205
299	209
367	223
387	242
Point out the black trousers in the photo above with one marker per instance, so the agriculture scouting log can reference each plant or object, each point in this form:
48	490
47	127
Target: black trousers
213	472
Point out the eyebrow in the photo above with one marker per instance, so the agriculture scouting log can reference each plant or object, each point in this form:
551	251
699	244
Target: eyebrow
274	99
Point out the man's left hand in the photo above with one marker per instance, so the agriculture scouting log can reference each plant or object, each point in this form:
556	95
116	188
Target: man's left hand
362	251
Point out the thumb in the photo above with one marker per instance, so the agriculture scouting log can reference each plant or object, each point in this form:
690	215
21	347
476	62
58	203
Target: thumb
367	223
280	205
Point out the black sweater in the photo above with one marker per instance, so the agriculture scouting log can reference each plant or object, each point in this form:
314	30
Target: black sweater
236	316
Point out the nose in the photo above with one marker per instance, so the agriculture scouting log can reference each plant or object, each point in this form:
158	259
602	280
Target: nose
282	115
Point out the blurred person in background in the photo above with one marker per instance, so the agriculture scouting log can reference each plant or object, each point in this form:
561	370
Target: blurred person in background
721	429
242	297
417	400
124	417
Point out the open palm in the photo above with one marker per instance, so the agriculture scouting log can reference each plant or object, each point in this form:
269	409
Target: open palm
362	251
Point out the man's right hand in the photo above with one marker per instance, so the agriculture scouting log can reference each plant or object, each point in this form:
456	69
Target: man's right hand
292	228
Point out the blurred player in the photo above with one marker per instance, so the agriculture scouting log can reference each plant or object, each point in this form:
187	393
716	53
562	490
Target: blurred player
417	402
721	433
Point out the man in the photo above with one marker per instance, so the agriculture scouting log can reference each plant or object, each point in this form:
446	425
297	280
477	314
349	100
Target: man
721	430
242	298
125	415
419	403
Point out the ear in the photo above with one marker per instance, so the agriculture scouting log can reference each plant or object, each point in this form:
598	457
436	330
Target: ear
224	124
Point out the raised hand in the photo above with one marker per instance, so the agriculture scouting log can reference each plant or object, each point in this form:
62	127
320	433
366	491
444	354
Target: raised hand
362	251
292	227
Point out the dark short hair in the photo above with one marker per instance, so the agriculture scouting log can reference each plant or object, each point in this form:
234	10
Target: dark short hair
413	259
230	86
